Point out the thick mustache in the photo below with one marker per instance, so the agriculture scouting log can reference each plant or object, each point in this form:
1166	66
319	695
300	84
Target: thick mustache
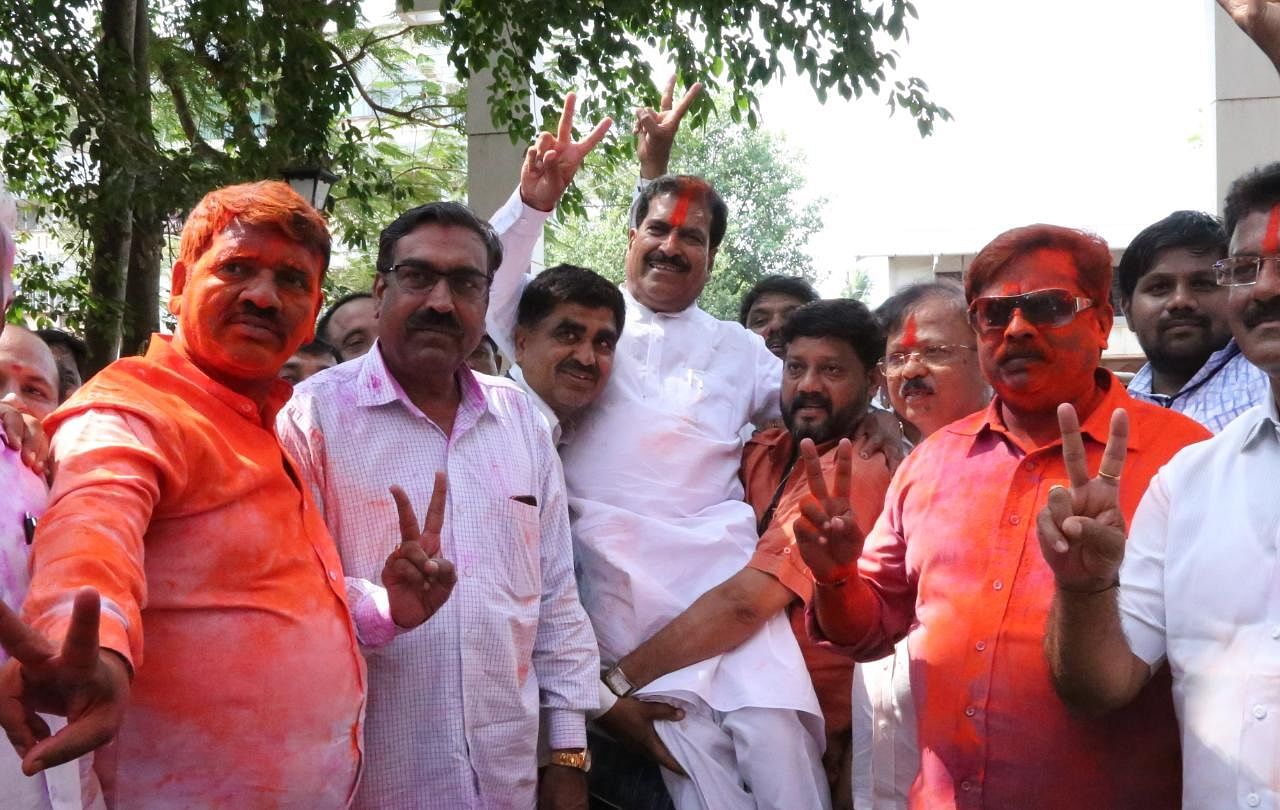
434	320
578	368
255	316
1261	312
915	385
810	401
658	256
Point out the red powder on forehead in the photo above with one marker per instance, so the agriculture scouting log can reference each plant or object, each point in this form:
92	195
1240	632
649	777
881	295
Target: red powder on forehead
1271	241
909	340
681	211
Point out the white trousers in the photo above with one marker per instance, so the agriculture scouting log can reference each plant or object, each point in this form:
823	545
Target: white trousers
746	759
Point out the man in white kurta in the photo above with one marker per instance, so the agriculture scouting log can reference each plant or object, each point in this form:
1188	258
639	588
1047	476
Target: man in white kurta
652	476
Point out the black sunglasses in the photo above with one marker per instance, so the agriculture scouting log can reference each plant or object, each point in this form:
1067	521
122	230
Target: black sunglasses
1048	308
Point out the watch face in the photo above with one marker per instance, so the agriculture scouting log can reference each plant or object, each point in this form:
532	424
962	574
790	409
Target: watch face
617	682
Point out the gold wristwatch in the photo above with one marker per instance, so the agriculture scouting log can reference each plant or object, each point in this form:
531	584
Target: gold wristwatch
580	759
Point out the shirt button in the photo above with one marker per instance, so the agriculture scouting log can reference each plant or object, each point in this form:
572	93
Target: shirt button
970	711
883	724
966	785
997	585
1014	520
1260	712
980	646
333	575
1028	465
1275	631
1253	800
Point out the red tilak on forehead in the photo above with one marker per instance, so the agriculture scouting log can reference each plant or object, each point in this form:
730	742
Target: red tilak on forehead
1271	241
909	332
681	211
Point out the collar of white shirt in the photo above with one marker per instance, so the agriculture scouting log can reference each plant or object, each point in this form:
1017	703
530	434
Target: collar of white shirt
1265	419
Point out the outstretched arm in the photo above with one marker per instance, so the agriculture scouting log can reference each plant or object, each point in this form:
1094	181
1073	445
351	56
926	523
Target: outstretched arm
1082	537
1260	19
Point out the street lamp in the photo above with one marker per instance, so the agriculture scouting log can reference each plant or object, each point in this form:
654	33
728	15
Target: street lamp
312	183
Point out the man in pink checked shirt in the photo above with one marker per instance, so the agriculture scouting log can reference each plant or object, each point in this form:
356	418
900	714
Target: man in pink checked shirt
454	709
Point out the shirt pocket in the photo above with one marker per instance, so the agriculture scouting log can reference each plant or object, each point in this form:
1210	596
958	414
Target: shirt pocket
519	552
704	402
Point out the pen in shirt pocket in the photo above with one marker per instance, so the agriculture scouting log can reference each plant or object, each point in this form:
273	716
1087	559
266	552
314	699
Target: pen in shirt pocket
29	527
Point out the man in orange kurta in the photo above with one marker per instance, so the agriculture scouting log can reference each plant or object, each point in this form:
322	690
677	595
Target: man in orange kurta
175	508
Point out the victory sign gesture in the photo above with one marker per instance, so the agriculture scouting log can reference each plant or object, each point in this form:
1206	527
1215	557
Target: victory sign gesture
656	129
826	533
553	160
87	685
417	580
1081	528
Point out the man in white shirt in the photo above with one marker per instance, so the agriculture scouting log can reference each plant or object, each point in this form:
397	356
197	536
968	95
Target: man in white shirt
567	328
1198	582
454	710
652	472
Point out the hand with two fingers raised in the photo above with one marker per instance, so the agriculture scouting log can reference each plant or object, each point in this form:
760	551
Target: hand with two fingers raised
82	682
656	130
826	532
553	160
1081	528
417	580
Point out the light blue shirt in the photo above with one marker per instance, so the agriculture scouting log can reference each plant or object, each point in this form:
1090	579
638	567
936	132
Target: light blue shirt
1226	386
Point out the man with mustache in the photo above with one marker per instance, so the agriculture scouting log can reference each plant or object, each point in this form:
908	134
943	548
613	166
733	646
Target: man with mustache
513	650
652	475
951	563
177	520
930	365
767	304
567	329
1195	582
1173	304
932	378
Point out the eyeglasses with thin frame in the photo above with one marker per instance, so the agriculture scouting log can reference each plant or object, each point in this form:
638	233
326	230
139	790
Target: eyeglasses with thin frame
1241	271
1046	308
935	357
420	279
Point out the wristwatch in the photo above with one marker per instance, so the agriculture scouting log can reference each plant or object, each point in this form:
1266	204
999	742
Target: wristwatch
618	682
572	759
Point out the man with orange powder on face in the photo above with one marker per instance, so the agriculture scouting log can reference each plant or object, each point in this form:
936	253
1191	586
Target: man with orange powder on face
953	559
177	518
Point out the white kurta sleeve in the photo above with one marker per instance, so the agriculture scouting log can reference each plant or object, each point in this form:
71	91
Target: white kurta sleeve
519	227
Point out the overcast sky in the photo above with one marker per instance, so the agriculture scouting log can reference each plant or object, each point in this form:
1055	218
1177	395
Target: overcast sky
1090	114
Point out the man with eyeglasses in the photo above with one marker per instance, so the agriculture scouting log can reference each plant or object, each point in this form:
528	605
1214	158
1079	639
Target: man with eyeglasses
1196	581
952	565
1173	303
454	709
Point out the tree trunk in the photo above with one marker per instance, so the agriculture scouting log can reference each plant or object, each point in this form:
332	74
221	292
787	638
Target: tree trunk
111	230
142	287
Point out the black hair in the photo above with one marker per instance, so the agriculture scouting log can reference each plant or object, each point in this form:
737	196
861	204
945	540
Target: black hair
438	213
841	319
1259	189
318	347
567	283
680	184
78	348
1196	231
893	313
792	286
322	327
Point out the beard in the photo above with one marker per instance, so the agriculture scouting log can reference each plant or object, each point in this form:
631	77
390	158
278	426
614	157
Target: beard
838	424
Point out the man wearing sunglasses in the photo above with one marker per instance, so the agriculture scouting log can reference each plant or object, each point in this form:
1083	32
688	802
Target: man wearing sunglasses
952	560
1195	583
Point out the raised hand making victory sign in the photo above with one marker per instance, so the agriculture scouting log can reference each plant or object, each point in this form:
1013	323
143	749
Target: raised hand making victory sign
552	161
418	582
1081	528
826	533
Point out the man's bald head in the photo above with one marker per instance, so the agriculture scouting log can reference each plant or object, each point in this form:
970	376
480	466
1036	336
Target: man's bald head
28	372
